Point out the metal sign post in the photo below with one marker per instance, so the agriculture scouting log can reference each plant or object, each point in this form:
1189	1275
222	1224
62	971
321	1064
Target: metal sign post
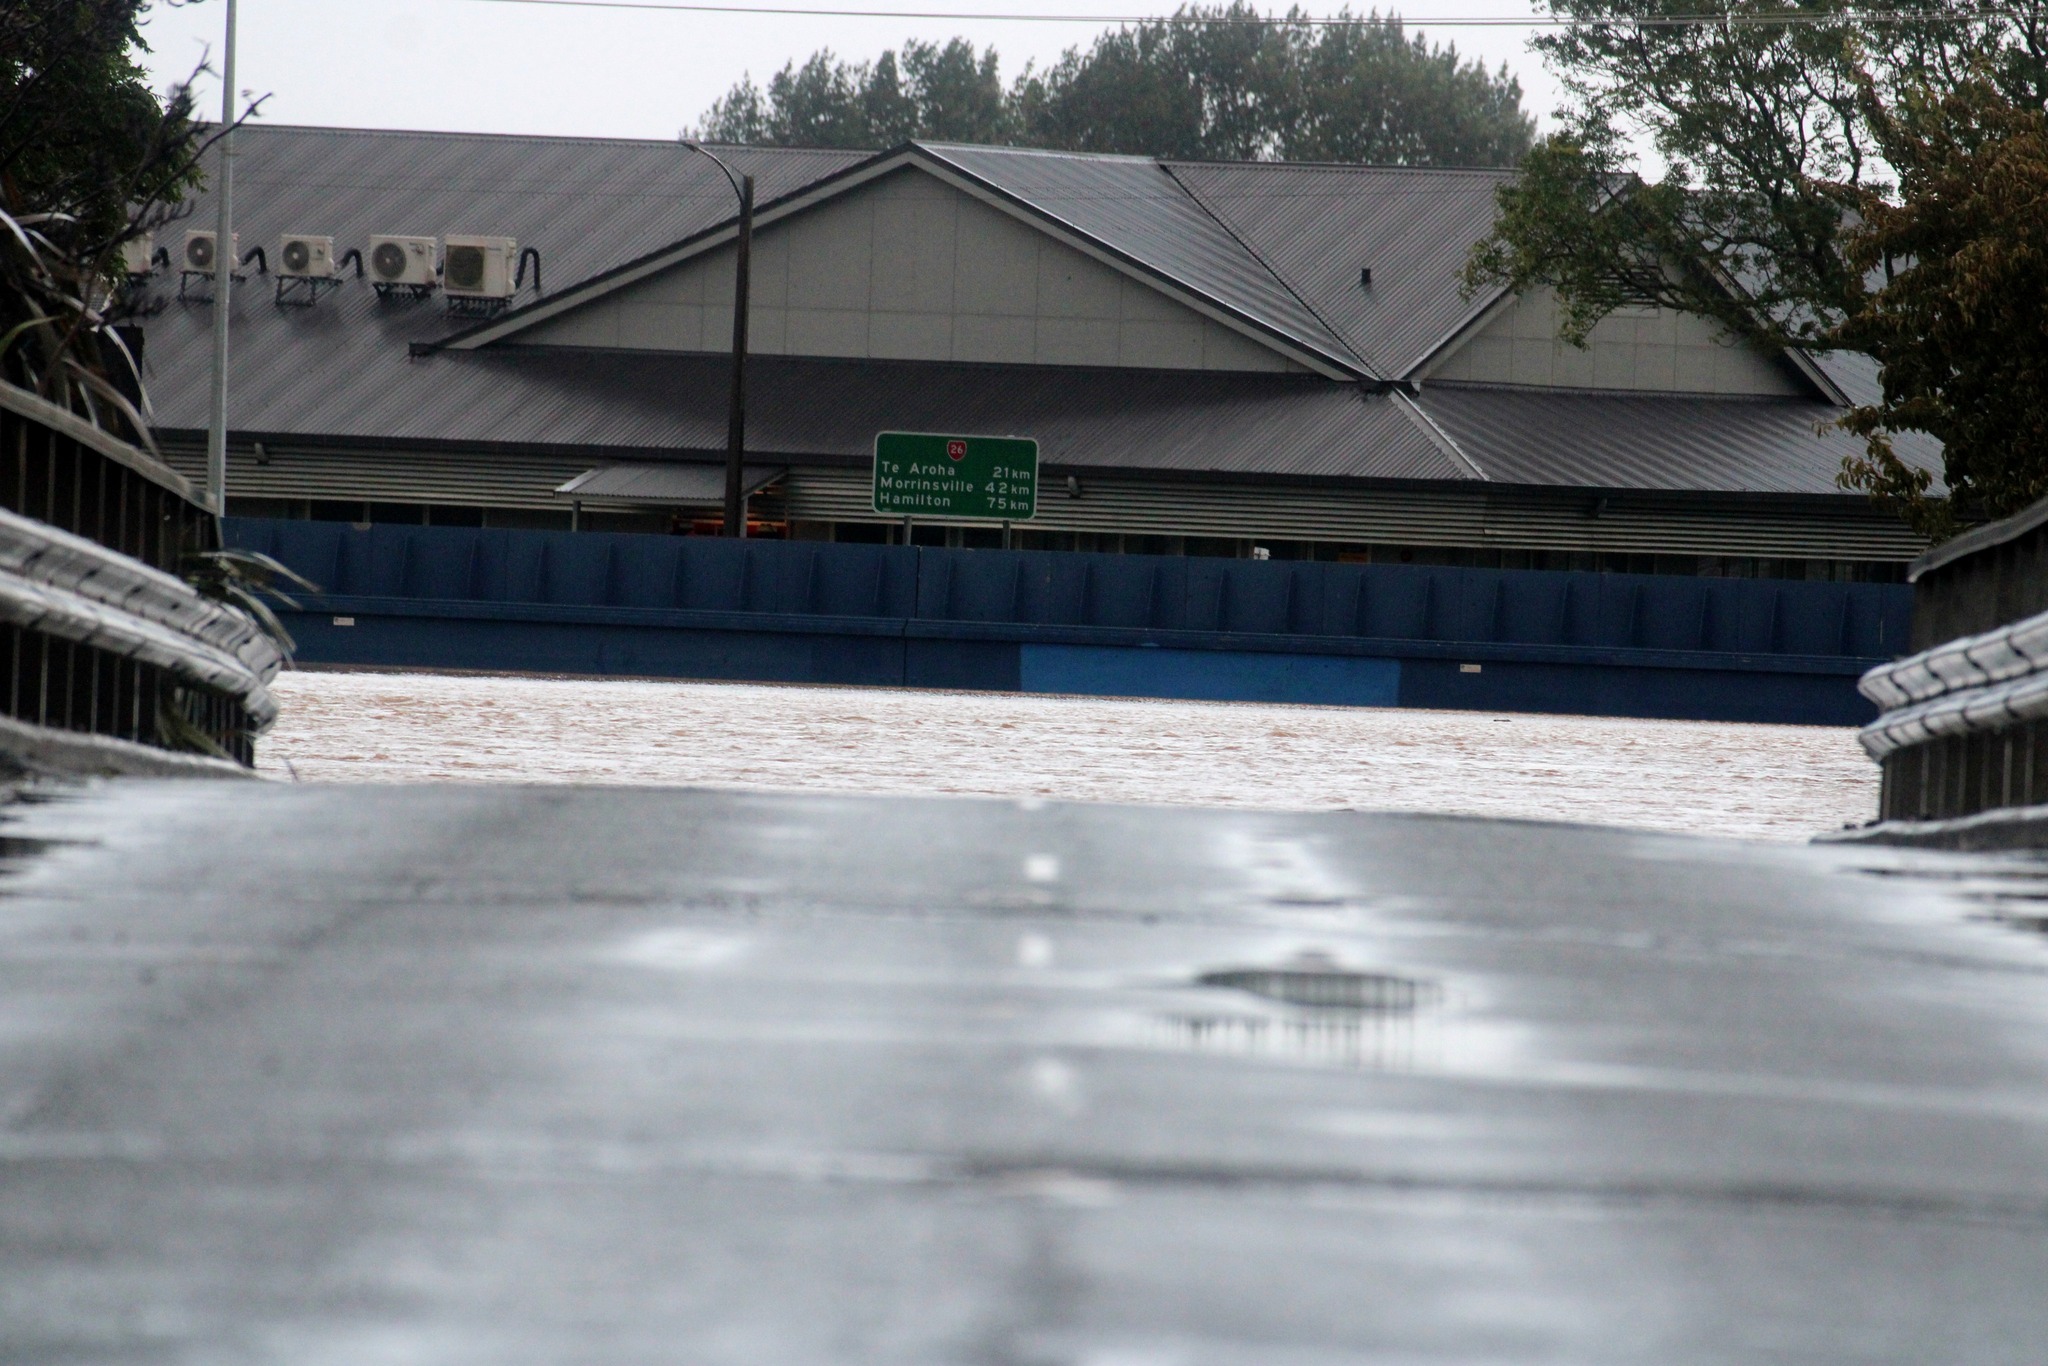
980	478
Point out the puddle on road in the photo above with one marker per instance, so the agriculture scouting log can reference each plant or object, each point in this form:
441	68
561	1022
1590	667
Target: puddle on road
17	850
2008	894
1316	981
1310	1008
1358	1042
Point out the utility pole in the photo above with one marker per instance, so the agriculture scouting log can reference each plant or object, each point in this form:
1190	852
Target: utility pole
736	406
224	264
736	403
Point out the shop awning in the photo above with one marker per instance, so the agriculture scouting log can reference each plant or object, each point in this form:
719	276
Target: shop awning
689	484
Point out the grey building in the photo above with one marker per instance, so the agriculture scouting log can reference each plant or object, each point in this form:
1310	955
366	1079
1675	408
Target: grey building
1212	357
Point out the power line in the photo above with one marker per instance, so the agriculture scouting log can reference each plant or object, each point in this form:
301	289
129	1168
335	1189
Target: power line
1760	19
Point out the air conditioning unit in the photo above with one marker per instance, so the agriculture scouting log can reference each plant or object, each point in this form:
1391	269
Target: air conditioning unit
402	261
304	257
479	267
199	251
137	255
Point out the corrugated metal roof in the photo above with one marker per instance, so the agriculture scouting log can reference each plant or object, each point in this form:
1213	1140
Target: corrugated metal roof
1317	226
381	474
1987	537
1279	424
339	373
586	203
1855	374
1134	207
1126	207
670	482
341	366
1644	441
357	386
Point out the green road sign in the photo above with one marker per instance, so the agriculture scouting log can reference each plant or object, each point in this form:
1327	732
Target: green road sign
920	474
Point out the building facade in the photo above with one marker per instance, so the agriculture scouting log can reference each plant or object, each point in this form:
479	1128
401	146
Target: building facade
1215	359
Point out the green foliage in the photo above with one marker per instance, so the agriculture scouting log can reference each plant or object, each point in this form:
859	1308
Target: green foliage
945	92
80	130
176	729
1211	84
1369	93
89	159
246	579
1957	322
1777	139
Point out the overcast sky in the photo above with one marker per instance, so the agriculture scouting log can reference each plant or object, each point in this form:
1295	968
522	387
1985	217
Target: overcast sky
479	66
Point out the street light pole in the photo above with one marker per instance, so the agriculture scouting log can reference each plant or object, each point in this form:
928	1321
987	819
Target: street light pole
736	404
223	282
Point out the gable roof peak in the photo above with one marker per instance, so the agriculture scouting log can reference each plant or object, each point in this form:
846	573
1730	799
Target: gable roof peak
1125	211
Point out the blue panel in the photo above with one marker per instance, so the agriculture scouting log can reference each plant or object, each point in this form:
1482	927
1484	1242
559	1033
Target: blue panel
1143	592
644	571
1210	675
981	665
1140	592
965	612
1599	690
1258	596
577	648
1396	602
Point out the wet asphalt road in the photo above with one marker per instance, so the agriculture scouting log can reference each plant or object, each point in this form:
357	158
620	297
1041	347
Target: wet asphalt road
553	1075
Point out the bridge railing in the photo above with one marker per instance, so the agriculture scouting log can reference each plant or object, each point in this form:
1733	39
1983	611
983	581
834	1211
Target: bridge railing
106	654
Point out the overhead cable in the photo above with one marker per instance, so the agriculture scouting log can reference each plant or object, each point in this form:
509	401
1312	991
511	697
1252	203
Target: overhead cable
1747	19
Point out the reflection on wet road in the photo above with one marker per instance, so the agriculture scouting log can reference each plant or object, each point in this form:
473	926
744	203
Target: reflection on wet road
533	1075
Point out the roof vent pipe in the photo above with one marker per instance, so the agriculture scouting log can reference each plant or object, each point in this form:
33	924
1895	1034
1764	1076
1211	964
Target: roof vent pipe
1365	277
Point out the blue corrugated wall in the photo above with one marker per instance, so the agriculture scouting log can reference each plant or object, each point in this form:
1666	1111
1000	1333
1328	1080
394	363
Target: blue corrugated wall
1649	645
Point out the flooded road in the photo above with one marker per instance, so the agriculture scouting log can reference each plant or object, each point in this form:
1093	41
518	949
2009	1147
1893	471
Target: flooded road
462	1073
1752	781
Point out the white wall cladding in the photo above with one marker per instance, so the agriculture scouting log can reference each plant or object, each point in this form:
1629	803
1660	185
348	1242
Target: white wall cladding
1649	350
909	268
1509	518
459	478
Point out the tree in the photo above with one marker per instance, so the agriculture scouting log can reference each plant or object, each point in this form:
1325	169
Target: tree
1777	139
90	159
944	92
958	95
1209	90
1370	93
1958	322
1223	83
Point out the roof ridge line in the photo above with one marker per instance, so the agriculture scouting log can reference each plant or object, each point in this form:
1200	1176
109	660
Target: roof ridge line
352	131
1013	150
1436	434
1349	355
1370	363
1261	163
488	328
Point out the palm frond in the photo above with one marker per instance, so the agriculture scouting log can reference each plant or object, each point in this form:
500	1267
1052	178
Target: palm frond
249	580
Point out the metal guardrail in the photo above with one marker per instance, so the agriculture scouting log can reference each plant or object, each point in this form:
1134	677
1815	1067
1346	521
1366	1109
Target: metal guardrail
98	637
67	586
1964	726
1979	683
